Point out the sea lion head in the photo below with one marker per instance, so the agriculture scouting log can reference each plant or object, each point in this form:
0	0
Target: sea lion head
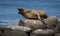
43	15
20	10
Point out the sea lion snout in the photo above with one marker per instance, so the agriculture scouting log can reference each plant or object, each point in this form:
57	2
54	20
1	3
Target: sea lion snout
20	10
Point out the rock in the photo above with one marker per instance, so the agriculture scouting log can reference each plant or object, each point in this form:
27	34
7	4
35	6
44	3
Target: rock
2	29
57	28
21	28
57	34
33	24
40	32
0	33
51	22
13	33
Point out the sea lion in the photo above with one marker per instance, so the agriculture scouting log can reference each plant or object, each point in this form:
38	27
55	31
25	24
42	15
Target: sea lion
32	14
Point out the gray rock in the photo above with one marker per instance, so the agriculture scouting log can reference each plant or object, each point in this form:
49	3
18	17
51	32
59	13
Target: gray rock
57	34
40	32
0	32
51	22
2	29
13	33
20	28
57	29
34	24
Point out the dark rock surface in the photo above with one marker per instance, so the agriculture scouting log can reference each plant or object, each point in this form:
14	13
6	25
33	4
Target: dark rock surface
21	28
57	34
13	33
40	32
0	32
51	22
57	29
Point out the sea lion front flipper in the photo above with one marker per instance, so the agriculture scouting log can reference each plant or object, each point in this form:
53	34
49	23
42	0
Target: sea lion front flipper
39	18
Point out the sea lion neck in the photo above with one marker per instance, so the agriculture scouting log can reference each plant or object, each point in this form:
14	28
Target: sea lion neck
23	13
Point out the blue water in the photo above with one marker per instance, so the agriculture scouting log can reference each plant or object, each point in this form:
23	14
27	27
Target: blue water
8	9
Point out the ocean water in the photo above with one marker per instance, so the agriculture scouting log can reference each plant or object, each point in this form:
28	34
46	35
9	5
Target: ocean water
9	13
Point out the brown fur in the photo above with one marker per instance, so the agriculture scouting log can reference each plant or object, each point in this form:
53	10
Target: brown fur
32	14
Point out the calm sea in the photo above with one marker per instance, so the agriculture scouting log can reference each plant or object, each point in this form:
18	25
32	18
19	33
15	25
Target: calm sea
8	9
